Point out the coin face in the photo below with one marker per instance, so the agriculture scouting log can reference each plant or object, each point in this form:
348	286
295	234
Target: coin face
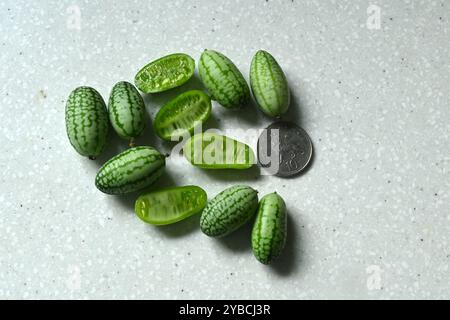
284	149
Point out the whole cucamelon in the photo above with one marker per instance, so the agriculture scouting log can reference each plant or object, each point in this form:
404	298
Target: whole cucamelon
224	81
170	205
131	170
229	210
209	150
182	114
87	121
269	84
126	111
165	73
269	229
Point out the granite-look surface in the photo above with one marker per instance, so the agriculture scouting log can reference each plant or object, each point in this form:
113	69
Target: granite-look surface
369	219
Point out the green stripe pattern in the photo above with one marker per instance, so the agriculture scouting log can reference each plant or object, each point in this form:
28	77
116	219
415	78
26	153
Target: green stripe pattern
224	81
126	110
181	115
131	170
229	210
86	121
209	150
270	228
165	73
269	84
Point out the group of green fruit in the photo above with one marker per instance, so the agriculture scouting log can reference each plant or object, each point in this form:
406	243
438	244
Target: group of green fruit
88	120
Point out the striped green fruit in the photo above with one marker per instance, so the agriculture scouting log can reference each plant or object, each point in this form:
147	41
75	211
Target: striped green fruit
182	114
131	170
269	84
209	150
224	81
229	210
126	110
269	230
87	121
165	73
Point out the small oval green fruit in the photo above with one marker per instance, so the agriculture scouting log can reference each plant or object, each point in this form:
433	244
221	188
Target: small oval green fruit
224	81
131	170
86	121
126	110
229	210
269	85
270	228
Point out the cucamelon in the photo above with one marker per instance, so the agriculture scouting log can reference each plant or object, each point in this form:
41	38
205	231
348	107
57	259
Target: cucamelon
126	110
209	150
165	73
269	84
170	205
269	229
229	210
131	170
224	81
182	114
86	121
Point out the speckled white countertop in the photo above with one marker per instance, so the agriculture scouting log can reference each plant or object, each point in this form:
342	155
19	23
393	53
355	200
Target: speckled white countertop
369	219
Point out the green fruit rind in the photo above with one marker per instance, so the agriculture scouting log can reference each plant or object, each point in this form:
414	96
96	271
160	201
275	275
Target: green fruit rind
131	170
224	81
86	121
126	110
182	114
170	205
209	150
269	231
269	84
229	210
165	73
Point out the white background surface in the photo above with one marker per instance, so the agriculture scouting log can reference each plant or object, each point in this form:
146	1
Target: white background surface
369	219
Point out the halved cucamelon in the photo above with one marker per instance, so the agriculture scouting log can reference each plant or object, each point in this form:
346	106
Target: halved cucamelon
222	78
179	116
131	170
170	205
209	150
87	121
165	73
229	210
126	110
269	230
269	84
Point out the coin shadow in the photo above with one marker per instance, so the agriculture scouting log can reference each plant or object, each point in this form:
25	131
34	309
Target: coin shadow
230	175
179	229
239	240
290	259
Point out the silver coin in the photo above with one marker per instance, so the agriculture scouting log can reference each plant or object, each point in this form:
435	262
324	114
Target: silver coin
284	149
